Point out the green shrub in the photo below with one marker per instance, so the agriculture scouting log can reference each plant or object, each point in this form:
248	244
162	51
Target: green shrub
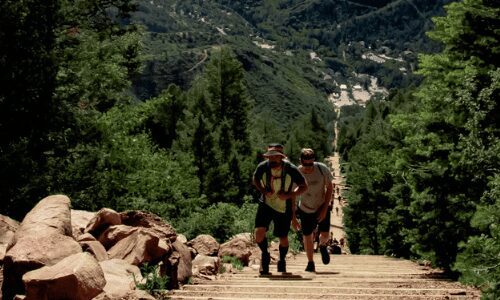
235	262
295	242
153	281
221	220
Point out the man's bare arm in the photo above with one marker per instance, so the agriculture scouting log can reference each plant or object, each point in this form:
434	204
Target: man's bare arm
326	202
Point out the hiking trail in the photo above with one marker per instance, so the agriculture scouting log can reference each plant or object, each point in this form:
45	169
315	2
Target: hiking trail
346	277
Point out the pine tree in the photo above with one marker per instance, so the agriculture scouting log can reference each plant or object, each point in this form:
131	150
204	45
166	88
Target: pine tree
57	58
28	75
226	106
228	97
204	156
164	122
443	155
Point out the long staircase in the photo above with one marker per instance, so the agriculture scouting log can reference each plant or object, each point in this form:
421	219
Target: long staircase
346	277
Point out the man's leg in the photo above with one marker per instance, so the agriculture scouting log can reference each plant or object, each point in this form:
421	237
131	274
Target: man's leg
308	223
308	246
323	238
261	240
283	248
324	229
281	228
262	220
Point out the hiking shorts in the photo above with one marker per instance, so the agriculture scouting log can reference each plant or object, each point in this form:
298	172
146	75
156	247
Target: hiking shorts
308	222
265	214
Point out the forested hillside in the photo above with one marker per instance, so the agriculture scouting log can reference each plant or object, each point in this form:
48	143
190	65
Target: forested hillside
423	166
70	122
166	106
294	53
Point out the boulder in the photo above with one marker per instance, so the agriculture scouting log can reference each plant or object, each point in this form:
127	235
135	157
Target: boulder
43	239
184	268
121	277
8	229
138	248
240	247
169	267
51	214
114	234
206	265
77	277
102	220
205	244
228	268
95	248
86	237
151	221
181	238
79	221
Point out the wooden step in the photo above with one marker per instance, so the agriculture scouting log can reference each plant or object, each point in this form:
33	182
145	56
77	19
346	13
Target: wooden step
346	277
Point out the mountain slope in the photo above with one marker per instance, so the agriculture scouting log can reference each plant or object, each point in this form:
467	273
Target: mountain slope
295	53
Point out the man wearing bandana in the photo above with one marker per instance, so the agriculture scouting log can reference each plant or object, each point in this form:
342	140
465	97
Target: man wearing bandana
275	178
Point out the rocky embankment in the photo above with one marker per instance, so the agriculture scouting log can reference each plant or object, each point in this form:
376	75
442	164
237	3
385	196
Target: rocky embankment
60	253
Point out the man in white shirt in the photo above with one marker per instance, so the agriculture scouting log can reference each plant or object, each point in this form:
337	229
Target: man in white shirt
313	205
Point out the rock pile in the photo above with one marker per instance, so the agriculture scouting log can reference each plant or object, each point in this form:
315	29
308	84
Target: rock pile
59	253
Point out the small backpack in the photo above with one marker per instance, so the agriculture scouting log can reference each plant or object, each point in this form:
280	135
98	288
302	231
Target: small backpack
286	166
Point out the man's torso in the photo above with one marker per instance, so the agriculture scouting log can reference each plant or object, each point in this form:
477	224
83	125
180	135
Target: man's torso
313	198
276	185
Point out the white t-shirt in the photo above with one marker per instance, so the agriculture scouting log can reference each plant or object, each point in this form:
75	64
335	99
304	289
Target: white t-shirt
314	197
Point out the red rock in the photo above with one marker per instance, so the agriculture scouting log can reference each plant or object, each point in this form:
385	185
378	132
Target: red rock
77	277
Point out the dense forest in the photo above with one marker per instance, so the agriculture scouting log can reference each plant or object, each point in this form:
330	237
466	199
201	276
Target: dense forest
118	104
71	124
423	166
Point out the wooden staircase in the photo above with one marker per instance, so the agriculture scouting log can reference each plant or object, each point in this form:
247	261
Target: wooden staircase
346	277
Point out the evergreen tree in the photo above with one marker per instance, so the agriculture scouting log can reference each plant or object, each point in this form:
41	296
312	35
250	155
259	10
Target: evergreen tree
444	157
204	156
28	75
226	105
227	94
62	61
164	122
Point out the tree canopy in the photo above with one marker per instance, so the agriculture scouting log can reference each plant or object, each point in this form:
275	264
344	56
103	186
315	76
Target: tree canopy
424	176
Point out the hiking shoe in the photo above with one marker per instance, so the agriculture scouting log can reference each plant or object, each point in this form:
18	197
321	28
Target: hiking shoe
264	264
325	256
310	267
282	266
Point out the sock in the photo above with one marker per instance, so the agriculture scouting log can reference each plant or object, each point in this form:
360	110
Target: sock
283	252
263	245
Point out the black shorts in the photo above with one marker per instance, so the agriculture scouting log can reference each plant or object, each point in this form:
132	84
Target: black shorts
309	221
281	221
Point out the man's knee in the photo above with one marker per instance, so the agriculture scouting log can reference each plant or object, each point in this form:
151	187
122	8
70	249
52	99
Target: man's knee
284	241
260	234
